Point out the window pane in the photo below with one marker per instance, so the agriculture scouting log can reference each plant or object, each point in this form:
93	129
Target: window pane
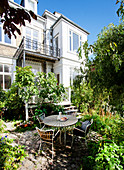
7	39
80	40
7	68
1	81
0	34
35	44
75	42
28	42
70	43
1	68
35	33
28	31
7	81
56	45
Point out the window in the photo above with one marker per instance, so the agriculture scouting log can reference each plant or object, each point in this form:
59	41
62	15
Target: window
70	40
4	37
56	45
74	41
7	39
80	40
32	38
35	39
5	76
28	38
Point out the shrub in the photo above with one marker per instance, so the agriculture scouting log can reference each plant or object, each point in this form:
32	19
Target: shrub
10	156
110	156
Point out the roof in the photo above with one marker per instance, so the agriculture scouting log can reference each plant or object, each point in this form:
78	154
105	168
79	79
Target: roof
68	20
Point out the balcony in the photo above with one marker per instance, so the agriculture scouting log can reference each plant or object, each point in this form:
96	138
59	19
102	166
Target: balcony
34	50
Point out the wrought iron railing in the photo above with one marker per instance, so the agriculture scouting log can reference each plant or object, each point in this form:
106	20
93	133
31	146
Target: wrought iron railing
35	46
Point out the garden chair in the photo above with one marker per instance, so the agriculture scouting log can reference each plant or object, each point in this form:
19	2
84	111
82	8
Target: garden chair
47	136
40	119
82	131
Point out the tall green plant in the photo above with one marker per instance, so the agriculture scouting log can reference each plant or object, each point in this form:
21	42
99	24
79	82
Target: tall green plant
110	156
24	80
47	88
20	92
2	99
82	94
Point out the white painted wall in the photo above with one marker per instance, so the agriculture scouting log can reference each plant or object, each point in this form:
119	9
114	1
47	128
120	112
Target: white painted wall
69	60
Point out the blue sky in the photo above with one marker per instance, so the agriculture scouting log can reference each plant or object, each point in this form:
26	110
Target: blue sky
92	15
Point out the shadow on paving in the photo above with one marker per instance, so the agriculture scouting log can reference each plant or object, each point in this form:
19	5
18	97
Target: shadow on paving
65	157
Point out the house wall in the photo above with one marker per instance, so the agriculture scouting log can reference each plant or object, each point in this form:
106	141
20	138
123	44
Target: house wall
7	51
69	59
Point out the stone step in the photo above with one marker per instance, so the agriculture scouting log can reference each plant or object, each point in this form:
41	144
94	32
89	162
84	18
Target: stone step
71	111
69	108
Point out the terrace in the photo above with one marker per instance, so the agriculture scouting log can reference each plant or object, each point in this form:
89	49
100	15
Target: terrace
35	51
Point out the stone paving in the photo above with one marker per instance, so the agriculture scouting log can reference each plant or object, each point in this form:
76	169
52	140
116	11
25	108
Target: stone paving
65	157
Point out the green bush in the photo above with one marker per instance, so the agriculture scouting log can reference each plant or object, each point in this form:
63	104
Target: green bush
107	153
104	155
2	126
111	127
10	156
50	108
110	156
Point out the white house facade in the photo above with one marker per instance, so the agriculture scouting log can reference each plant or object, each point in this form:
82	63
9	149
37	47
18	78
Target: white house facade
48	44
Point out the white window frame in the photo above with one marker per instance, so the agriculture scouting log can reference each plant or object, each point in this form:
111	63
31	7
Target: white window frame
13	40
71	41
33	38
3	73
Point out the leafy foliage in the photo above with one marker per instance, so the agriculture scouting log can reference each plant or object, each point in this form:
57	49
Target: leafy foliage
26	85
10	156
24	80
47	88
108	64
110	156
2	98
108	152
108	126
11	17
82	94
120	11
19	93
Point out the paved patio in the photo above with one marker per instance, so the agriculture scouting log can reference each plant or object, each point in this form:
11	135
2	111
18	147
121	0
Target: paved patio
65	158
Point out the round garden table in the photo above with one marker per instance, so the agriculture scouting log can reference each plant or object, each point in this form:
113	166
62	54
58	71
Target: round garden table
52	121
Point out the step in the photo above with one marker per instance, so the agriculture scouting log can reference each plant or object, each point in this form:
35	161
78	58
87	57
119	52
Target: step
71	111
69	108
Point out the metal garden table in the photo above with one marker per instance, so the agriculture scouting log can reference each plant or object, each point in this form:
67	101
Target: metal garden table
52	121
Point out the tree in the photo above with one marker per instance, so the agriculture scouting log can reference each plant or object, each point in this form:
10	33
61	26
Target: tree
11	17
47	88
120	11
108	73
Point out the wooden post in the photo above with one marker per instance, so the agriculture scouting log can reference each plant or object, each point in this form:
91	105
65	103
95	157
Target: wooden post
26	110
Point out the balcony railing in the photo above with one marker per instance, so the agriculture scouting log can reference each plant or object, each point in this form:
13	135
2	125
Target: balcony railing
37	47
